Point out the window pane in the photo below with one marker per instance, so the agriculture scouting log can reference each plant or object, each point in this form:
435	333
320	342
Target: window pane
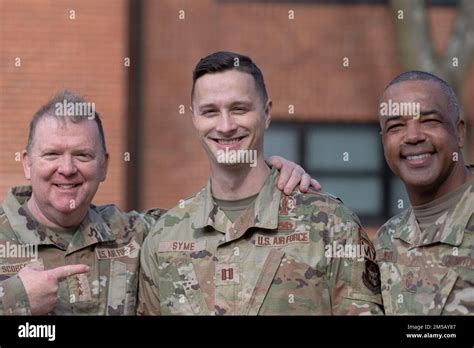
398	197
361	195
281	142
326	148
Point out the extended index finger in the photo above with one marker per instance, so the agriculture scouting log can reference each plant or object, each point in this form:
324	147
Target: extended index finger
68	270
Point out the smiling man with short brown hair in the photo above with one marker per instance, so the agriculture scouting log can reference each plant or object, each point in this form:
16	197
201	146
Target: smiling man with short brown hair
240	247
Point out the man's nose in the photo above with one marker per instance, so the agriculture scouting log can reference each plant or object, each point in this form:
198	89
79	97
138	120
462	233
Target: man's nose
414	134
67	166
225	123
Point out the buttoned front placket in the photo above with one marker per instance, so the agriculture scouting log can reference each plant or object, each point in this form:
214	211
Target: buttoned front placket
233	248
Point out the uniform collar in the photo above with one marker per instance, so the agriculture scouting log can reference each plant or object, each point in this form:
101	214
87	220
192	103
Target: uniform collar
92	230
262	213
448	229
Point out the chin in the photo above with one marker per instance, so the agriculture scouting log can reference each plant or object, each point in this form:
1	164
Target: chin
64	205
419	182
66	210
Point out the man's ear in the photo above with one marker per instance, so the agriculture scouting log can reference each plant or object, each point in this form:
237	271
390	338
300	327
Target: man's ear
26	163
268	113
461	127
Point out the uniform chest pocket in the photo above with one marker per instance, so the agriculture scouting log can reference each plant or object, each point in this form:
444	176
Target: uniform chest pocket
461	298
118	271
297	289
122	294
68	306
180	292
120	277
416	290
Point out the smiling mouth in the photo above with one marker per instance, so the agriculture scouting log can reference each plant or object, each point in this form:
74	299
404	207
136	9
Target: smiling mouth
228	141
66	186
417	157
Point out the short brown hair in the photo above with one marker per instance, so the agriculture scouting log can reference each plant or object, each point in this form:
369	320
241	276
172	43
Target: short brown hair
223	61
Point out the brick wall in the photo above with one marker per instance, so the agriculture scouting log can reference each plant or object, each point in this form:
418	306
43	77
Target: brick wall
301	60
84	54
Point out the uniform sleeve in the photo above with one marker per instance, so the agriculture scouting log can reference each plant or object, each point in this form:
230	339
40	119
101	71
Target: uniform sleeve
13	297
353	275
148	292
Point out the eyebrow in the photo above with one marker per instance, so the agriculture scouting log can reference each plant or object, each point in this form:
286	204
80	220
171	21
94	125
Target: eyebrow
241	102
206	106
237	102
82	150
429	112
422	113
59	150
392	118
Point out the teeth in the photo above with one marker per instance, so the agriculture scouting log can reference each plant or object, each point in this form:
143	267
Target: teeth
228	142
65	186
418	157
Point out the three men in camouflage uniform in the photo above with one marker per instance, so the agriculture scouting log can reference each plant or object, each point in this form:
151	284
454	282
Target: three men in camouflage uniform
240	247
426	254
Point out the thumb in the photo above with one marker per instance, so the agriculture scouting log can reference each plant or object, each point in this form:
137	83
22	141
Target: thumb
66	271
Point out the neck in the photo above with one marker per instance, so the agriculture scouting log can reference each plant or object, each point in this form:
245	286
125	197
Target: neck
458	177
61	220
232	183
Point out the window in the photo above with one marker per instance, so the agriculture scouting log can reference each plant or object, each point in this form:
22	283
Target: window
348	161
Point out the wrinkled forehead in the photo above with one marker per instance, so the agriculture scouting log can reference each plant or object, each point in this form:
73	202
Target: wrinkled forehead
417	91
51	127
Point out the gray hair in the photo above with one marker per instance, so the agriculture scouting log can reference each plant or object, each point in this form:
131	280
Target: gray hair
50	109
416	75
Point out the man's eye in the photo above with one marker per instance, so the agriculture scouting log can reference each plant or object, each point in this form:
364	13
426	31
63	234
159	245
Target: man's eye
84	157
50	155
393	127
209	113
240	111
431	121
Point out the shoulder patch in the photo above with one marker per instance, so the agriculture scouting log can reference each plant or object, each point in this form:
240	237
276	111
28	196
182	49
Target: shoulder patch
371	276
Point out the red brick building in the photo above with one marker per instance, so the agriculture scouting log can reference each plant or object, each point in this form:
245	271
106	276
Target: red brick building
301	58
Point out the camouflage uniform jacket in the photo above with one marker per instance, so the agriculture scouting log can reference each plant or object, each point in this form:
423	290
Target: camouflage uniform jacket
108	241
271	260
430	272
